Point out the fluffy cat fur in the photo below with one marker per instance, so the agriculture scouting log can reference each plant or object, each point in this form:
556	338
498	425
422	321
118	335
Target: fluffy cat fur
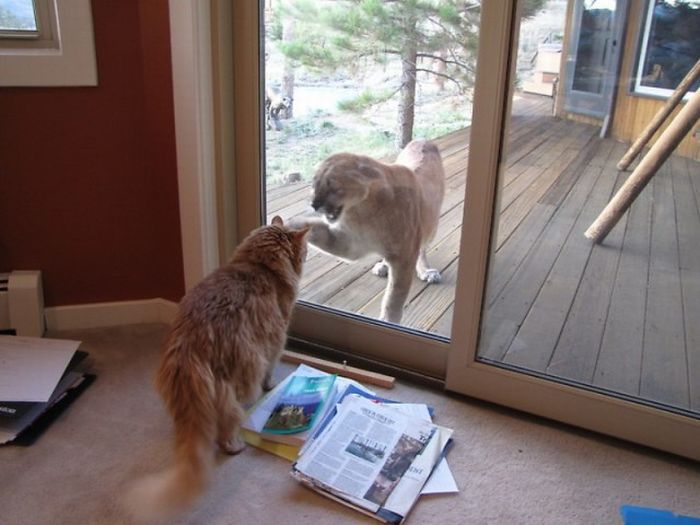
221	349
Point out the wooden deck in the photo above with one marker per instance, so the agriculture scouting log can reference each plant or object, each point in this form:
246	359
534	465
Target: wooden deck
623	315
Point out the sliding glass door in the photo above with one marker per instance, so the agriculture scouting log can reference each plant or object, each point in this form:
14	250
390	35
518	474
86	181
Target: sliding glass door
364	81
526	312
597	335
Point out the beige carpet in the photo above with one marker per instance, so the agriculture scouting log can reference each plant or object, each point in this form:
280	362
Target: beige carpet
511	468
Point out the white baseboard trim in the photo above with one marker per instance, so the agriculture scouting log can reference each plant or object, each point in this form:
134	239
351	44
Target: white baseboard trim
96	315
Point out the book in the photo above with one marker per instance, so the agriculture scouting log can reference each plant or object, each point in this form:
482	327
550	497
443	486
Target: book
288	445
373	457
300	404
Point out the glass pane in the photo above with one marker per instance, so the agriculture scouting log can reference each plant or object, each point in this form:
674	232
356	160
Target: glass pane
593	45
17	15
365	78
620	316
672	44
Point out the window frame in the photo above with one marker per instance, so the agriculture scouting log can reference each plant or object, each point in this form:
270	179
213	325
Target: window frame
642	49
62	54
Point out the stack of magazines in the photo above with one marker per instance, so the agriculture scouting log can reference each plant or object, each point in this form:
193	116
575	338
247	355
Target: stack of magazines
372	454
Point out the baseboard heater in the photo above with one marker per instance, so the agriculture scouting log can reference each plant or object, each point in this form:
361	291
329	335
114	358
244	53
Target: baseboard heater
22	303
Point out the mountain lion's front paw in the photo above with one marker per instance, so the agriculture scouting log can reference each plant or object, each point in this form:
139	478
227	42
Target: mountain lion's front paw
297	223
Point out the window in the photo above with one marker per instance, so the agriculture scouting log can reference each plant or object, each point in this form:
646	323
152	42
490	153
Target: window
46	43
28	24
18	17
670	46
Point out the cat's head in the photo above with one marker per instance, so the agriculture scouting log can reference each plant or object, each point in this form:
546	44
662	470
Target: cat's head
275	245
297	240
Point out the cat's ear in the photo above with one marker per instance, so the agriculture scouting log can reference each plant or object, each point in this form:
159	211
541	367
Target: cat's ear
277	221
302	232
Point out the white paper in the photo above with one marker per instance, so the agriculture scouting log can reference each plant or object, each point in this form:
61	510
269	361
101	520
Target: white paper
31	367
419	410
441	481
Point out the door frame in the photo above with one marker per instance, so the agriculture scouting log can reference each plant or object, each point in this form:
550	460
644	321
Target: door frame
465	374
190	21
191	57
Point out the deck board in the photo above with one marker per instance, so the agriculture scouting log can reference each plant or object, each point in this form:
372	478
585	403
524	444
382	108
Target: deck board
577	348
688	227
619	360
664	370
687	190
538	297
621	315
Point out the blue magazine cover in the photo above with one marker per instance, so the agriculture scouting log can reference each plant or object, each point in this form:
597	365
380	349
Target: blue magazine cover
299	405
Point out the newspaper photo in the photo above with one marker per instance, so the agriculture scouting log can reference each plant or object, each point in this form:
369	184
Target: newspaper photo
365	451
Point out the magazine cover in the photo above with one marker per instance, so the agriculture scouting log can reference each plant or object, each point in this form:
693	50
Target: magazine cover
299	404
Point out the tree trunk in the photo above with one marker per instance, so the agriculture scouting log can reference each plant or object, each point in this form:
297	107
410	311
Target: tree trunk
406	112
441	68
288	75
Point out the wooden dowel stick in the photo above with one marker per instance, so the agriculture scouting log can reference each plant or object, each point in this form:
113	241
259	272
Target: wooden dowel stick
645	170
660	117
365	376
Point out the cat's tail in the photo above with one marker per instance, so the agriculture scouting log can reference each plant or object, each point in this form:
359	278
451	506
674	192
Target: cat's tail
161	495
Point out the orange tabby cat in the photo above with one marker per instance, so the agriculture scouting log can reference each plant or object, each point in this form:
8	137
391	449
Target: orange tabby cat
222	347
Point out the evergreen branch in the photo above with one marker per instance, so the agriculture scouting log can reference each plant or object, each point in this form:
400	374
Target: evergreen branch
442	75
463	65
444	60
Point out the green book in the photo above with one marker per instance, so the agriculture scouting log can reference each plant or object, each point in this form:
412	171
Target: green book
300	404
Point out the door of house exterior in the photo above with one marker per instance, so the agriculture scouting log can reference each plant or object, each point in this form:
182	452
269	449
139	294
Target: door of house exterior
592	61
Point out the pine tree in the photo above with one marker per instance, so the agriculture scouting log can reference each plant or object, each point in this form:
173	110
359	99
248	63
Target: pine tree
438	37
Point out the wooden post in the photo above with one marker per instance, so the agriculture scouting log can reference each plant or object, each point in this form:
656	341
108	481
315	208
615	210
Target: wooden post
652	161
660	117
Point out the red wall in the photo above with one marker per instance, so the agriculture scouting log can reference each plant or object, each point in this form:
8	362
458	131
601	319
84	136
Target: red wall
88	180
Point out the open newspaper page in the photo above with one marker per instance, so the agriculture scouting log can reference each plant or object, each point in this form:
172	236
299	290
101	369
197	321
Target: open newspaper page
363	454
409	487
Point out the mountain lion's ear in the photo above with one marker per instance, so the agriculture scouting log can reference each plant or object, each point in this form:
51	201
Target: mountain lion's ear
277	221
368	170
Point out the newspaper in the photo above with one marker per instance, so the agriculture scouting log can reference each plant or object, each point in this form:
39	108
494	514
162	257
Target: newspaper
364	453
412	482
